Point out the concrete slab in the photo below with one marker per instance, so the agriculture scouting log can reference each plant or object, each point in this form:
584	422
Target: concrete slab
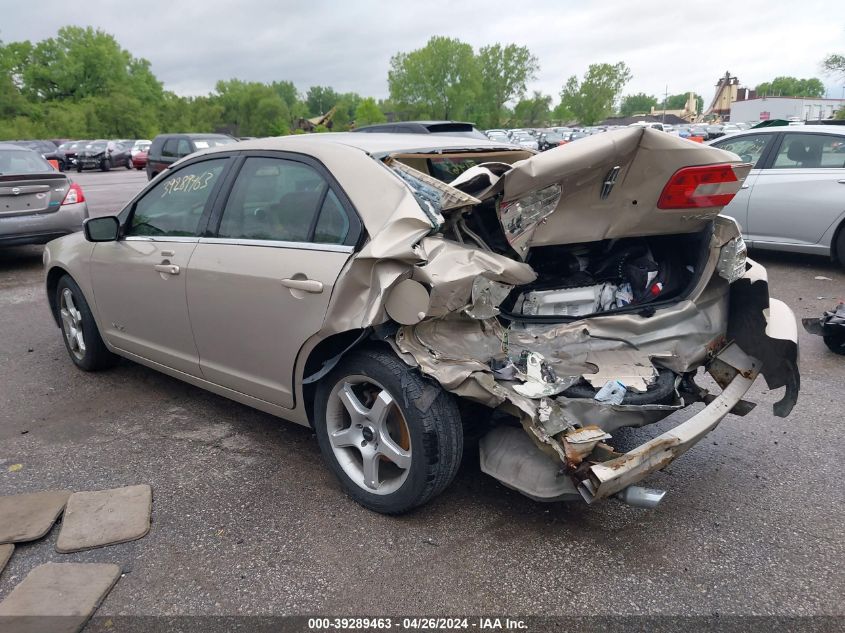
57	597
105	517
5	554
29	517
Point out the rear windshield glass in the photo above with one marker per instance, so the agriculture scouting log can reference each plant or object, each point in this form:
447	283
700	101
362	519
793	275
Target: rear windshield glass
15	161
205	143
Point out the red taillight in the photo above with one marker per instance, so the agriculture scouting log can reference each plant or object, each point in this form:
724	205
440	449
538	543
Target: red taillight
74	195
701	186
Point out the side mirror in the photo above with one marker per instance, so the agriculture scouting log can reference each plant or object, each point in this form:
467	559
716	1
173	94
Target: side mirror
105	229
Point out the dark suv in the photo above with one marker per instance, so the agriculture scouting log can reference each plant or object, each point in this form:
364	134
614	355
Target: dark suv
168	148
445	128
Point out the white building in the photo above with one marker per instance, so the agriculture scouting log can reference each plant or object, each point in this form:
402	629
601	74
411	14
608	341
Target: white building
796	108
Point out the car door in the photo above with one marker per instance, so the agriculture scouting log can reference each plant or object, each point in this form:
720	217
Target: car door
754	149
260	288
139	280
801	192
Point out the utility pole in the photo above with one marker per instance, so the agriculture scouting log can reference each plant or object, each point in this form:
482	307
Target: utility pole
665	97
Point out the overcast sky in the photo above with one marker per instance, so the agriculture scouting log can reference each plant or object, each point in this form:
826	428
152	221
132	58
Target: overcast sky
348	44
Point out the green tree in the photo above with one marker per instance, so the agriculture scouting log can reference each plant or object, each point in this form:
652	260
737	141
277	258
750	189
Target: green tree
791	87
639	103
679	102
368	113
320	99
834	65
503	73
534	111
592	99
439	80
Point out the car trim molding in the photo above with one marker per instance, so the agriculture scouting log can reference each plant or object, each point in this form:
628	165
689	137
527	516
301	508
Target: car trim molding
309	246
161	238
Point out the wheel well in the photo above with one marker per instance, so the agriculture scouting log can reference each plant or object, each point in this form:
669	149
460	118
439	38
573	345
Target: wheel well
327	350
53	277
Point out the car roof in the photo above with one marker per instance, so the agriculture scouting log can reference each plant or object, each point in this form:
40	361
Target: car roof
374	143
19	148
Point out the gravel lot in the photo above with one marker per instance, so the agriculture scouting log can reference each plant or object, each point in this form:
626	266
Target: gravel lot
246	520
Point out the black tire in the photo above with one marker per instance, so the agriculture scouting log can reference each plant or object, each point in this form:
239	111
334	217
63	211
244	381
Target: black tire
835	343
79	167
96	355
128	163
105	165
431	418
840	246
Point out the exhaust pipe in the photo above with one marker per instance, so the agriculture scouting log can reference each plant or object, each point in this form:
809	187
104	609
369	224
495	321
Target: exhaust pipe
640	497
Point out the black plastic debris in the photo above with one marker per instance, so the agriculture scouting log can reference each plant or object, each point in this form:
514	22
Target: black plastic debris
831	327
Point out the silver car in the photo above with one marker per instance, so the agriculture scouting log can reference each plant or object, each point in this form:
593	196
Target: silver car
794	197
393	290
37	203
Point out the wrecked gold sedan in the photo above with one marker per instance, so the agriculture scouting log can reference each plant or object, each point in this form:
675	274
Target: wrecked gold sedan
396	292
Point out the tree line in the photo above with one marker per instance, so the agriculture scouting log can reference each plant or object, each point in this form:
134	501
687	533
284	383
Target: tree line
83	84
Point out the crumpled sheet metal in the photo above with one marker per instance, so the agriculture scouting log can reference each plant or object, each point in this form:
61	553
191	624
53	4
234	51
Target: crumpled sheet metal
647	159
359	293
451	269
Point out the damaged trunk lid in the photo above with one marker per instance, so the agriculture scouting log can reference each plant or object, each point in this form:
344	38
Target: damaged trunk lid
623	183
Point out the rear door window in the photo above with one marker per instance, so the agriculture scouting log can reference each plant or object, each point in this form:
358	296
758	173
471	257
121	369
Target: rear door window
184	148
283	200
810	151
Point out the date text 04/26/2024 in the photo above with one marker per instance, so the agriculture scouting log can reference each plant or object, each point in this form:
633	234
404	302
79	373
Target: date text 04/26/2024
417	624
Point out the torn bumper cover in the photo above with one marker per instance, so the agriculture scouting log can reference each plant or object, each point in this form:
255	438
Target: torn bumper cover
749	334
607	478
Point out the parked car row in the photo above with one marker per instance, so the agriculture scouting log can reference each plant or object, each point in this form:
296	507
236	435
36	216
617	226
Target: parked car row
88	154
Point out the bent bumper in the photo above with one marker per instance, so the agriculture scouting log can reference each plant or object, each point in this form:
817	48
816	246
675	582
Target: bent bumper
607	478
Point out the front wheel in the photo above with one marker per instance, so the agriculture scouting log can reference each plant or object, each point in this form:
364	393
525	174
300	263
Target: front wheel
106	164
128	163
82	338
391	436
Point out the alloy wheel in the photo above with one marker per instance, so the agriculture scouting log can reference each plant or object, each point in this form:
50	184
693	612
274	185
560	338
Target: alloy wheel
368	434
72	325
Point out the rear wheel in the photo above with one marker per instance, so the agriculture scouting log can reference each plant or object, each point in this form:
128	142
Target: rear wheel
81	336
392	437
129	163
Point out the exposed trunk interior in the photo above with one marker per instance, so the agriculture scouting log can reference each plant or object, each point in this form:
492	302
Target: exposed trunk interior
629	274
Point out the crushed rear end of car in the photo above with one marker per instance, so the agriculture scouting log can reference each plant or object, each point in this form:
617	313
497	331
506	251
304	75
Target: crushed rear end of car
575	292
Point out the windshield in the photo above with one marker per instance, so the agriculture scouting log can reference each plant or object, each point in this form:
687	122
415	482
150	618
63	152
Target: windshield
19	161
97	147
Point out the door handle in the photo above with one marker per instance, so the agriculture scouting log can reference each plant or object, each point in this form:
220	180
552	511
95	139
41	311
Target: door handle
841	182
744	187
306	285
169	269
